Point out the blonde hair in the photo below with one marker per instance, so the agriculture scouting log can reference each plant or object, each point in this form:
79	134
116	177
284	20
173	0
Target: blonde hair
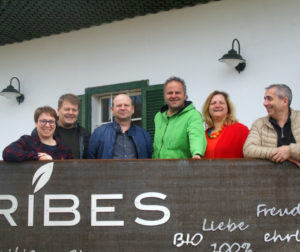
230	118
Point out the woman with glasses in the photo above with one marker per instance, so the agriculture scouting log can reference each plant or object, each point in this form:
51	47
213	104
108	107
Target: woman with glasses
43	145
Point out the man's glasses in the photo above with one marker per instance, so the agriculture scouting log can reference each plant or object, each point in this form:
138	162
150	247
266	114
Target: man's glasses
44	122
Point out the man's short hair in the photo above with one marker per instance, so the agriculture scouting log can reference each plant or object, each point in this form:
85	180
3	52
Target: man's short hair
45	109
174	78
112	102
70	98
282	91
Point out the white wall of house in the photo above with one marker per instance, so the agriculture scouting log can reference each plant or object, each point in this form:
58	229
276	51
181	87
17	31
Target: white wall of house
186	43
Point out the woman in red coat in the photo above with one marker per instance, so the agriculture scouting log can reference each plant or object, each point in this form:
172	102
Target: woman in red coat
225	136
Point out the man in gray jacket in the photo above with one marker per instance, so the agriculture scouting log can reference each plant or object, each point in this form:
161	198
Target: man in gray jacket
276	136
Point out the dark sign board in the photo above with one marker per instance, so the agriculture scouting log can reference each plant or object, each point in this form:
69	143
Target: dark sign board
149	205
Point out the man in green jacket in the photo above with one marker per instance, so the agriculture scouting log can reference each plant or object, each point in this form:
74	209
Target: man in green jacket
179	131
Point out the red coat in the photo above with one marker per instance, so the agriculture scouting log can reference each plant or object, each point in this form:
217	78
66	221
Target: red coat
229	144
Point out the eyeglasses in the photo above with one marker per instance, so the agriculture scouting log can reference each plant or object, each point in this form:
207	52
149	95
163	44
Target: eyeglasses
44	122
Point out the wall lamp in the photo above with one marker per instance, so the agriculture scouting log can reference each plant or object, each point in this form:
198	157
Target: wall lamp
10	92
234	59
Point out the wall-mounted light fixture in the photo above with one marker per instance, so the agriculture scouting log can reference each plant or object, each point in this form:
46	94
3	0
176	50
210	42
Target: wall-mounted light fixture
234	59
10	92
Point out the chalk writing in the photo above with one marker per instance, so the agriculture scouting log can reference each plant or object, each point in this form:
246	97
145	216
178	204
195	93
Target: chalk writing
282	238
180	239
222	226
226	247
17	249
261	209
231	216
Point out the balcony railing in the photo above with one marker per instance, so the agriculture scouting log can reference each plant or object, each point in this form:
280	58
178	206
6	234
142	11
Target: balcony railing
150	205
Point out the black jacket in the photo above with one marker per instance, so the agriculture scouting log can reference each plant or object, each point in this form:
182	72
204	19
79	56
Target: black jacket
84	137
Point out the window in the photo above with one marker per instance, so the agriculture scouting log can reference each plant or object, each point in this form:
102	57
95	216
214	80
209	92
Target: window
96	103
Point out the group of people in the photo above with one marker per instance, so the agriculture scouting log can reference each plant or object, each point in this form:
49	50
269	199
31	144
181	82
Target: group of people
54	137
179	130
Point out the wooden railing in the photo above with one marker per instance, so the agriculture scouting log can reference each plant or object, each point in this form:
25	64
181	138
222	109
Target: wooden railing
150	205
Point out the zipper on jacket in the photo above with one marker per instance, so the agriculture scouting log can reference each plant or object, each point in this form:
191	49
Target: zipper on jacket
171	135
162	141
282	136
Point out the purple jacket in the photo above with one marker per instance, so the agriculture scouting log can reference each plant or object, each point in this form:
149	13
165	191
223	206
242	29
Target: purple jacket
27	147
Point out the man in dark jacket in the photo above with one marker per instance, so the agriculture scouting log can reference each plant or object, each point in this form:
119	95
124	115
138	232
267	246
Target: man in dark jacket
68	129
120	139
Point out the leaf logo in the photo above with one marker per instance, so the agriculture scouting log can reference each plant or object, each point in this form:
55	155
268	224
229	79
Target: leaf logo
42	175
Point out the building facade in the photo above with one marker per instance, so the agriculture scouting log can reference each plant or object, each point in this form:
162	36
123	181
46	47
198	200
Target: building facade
137	55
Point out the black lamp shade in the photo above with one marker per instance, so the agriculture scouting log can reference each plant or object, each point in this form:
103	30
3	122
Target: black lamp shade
10	92
234	58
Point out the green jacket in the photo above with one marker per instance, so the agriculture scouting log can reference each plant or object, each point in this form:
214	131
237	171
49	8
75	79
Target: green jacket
179	136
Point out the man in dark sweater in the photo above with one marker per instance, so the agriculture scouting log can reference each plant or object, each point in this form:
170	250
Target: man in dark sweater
68	129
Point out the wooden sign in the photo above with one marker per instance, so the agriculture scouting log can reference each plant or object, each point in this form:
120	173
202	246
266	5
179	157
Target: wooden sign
149	205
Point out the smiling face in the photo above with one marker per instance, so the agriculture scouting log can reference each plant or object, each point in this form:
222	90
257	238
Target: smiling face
274	104
218	108
45	126
122	108
174	96
67	114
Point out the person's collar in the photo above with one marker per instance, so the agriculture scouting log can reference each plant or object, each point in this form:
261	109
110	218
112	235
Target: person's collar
118	128
75	125
274	121
165	107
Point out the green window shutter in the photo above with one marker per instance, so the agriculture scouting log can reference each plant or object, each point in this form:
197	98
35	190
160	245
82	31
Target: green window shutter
81	117
154	100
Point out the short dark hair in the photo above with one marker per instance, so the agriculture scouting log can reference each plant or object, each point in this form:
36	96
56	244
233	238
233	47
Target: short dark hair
174	78
282	91
45	109
70	98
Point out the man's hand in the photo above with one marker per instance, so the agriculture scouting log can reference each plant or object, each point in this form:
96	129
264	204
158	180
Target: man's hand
197	156
296	162
44	156
281	154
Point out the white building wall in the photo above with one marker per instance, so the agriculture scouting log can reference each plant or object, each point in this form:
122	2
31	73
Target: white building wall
186	43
